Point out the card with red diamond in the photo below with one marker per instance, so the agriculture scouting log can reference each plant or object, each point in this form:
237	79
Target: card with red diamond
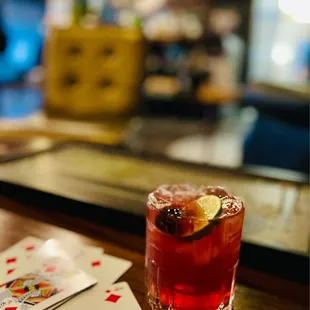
12	258
106	268
22	252
46	279
115	297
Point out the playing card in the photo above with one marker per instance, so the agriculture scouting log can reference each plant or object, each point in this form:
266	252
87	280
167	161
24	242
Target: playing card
119	296
77	250
47	279
105	268
12	258
116	297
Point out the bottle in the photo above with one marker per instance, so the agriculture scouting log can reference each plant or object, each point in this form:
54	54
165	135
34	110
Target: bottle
79	11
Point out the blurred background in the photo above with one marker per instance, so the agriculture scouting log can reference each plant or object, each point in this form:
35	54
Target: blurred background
222	83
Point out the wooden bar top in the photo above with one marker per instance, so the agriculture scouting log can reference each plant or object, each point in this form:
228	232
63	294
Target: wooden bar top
19	219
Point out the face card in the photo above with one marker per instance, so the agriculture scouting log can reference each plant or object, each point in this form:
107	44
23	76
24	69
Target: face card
47	279
104	267
116	297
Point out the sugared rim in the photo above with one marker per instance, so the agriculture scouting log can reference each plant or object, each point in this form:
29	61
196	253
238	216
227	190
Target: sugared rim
192	192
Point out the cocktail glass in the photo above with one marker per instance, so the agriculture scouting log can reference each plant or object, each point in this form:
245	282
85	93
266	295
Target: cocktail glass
192	248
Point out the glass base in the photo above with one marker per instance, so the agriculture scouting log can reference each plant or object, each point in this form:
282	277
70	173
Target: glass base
155	304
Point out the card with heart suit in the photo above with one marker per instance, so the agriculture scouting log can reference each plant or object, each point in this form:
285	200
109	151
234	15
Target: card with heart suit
115	297
48	278
12	258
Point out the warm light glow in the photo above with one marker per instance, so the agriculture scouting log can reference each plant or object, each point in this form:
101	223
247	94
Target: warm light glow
146	7
299	10
282	54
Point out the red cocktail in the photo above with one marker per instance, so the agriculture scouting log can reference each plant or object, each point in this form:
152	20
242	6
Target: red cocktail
192	249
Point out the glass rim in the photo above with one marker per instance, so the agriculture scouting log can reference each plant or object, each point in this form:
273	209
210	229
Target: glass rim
153	206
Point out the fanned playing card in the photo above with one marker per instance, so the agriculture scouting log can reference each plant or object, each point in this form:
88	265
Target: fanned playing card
106	268
115	297
46	279
14	257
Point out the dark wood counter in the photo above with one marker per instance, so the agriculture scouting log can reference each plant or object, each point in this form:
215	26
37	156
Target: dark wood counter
19	219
